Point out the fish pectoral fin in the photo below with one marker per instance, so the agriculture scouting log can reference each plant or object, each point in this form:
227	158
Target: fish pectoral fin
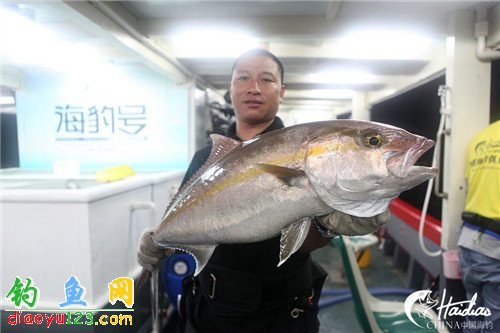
201	254
292	238
289	176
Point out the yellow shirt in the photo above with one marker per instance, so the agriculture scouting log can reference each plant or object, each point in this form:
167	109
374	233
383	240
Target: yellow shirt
482	173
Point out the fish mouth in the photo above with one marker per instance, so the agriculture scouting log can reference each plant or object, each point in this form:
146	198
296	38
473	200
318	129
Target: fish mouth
423	172
400	163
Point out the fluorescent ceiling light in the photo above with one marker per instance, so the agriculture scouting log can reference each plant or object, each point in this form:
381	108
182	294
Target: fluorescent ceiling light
7	100
382	44
26	42
331	93
212	43
31	43
326	94
343	77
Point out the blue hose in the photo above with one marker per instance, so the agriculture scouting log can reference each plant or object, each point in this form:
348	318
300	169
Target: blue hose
342	295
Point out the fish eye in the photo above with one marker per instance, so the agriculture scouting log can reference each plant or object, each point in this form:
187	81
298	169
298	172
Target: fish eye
373	141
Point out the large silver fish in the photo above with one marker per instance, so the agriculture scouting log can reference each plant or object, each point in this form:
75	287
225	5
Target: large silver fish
251	191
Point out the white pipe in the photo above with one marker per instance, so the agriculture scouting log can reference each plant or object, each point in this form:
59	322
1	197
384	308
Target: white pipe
422	223
445	112
484	53
481	32
147	205
151	207
436	159
155	305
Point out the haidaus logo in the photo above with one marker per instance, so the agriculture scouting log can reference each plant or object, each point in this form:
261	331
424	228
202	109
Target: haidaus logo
424	304
421	304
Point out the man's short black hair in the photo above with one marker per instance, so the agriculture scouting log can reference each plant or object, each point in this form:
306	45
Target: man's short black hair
262	53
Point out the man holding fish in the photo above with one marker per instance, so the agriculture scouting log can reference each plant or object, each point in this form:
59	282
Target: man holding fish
256	203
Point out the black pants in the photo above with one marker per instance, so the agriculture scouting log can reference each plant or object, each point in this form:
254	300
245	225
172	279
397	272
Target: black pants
298	313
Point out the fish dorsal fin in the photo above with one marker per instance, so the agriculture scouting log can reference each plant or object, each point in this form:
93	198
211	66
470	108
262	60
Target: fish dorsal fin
289	176
221	146
292	238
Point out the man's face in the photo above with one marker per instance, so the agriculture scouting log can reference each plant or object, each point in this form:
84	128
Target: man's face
256	89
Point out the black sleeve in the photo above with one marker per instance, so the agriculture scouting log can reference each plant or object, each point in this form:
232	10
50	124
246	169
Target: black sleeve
198	160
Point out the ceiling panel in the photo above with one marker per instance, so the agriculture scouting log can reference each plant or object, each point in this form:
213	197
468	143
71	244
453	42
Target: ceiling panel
311	37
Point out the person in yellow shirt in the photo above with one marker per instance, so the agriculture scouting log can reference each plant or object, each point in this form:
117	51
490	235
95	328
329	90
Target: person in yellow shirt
480	235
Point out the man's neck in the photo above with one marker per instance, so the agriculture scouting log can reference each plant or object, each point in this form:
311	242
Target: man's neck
246	131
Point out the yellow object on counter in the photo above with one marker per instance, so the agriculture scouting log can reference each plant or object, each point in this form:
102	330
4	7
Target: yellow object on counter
114	173
364	257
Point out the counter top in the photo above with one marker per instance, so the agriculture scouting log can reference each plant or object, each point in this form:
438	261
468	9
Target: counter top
47	187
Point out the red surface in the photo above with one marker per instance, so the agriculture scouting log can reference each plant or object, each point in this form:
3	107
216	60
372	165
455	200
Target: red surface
411	216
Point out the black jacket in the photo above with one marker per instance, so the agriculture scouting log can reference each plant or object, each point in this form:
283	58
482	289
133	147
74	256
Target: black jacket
241	289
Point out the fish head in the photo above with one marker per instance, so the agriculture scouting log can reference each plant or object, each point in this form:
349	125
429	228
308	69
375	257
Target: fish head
363	162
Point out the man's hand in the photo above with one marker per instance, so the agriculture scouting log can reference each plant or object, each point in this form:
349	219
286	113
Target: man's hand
148	253
349	225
